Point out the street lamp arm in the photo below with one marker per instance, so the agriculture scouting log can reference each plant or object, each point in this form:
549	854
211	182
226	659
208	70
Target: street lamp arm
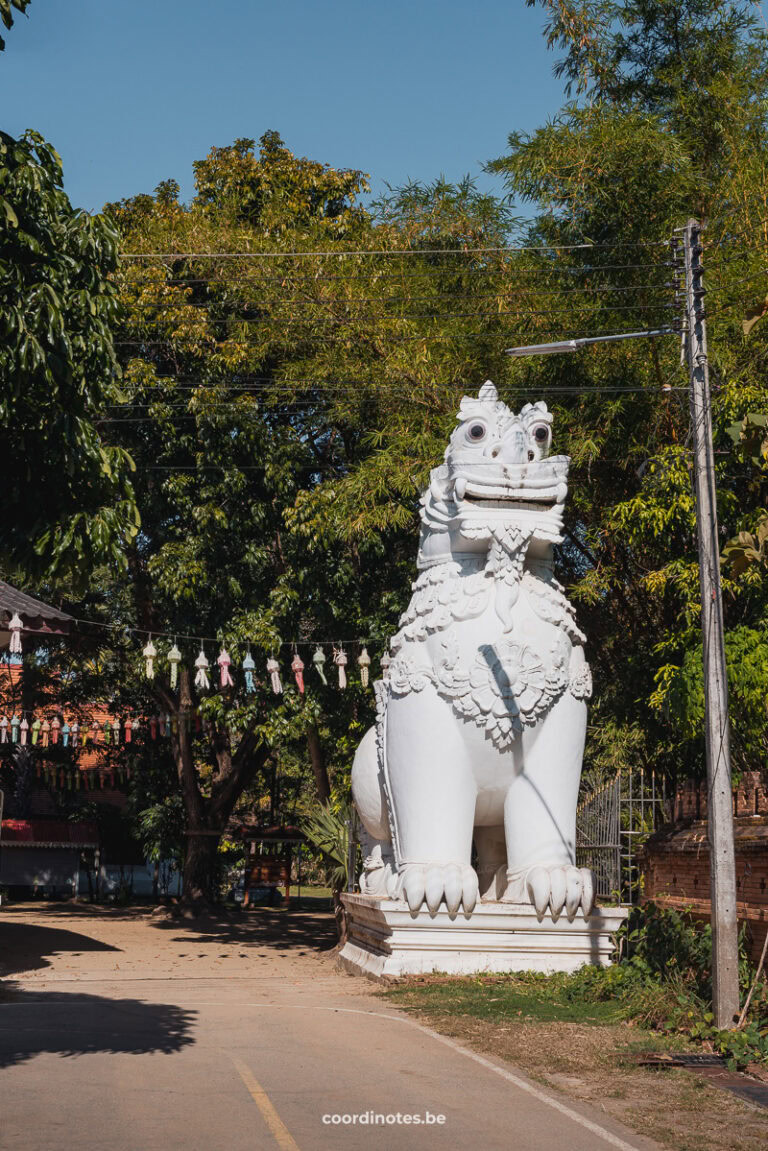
562	346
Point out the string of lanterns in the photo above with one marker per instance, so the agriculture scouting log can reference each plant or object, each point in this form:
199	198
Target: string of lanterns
73	779
55	731
202	666
203	672
29	729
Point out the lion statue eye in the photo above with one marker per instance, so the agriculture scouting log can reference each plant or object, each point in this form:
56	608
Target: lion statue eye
476	432
541	434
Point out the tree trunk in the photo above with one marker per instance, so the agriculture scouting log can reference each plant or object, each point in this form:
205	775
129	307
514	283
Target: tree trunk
319	767
200	867
206	817
340	915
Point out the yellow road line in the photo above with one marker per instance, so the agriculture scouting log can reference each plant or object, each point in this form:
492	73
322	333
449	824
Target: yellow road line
282	1135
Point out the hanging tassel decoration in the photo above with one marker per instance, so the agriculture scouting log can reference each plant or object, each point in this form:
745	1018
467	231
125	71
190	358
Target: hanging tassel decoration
202	665
55	729
4	729
364	663
248	667
224	661
95	729
149	653
385	662
15	729
65	732
24	729
297	667
116	732
273	670
45	731
75	733
134	727
35	731
15	627
318	659
174	659
340	659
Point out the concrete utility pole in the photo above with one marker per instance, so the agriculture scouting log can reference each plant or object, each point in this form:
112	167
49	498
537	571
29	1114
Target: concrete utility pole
725	958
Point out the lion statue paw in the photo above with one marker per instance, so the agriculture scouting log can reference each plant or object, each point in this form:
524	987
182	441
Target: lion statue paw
456	883
558	887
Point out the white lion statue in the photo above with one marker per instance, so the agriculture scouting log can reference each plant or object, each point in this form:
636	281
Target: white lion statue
482	714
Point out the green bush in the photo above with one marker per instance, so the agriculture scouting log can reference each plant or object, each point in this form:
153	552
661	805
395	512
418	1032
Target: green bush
669	956
663	981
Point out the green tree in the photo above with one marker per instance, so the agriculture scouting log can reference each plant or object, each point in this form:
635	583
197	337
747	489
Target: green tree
670	122
67	498
6	14
285	400
218	461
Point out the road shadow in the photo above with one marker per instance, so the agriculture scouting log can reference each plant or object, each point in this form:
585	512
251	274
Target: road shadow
24	946
33	1023
275	928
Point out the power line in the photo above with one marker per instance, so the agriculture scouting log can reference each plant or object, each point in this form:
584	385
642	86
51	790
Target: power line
197	638
467	293
270	384
345	391
322	277
206	337
362	252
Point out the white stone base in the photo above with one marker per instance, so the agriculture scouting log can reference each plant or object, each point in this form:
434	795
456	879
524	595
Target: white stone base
385	940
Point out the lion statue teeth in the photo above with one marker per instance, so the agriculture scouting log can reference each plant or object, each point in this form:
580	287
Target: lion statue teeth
481	716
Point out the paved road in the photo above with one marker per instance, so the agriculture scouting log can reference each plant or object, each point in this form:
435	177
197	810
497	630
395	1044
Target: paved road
106	1045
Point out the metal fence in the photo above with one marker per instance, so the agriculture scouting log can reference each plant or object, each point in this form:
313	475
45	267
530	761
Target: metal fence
612	823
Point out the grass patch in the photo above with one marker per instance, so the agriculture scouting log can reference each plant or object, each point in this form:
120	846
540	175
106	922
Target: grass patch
499	998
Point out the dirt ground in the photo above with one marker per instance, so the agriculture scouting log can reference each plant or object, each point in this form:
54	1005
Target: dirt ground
43	946
59	942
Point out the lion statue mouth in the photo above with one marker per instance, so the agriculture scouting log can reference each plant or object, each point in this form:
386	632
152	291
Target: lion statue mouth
539	485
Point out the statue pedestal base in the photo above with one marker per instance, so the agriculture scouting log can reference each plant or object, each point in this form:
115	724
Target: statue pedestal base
385	940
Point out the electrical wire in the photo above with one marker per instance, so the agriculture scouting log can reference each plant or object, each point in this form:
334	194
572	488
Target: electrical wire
348	253
205	338
400	275
501	292
197	638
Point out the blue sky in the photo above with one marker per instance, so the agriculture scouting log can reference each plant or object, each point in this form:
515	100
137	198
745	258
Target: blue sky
130	92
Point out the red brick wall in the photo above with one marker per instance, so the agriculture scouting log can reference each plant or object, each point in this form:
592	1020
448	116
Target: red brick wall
749	798
676	870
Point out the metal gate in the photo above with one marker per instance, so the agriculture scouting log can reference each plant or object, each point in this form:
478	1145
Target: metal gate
597	837
612	823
